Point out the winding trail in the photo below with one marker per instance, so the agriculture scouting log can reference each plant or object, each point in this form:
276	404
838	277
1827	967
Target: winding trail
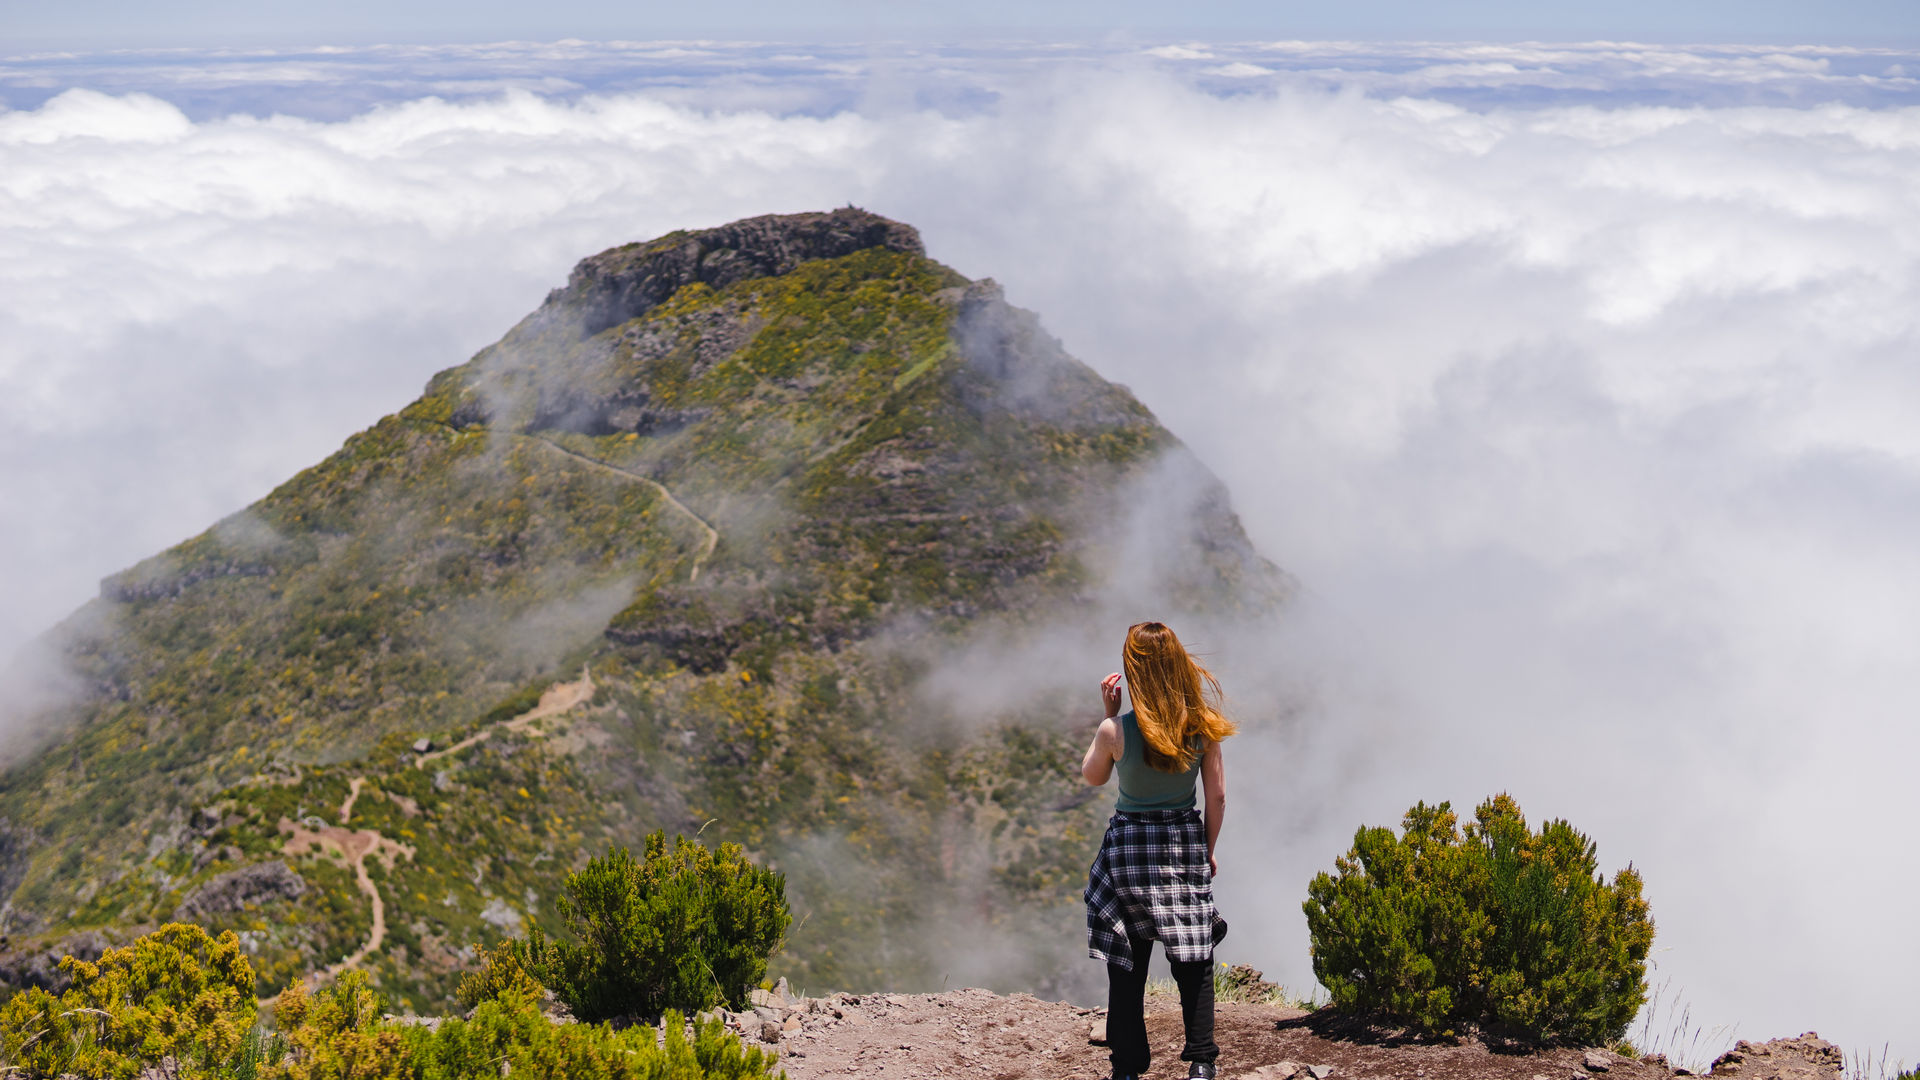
353	845
711	534
556	699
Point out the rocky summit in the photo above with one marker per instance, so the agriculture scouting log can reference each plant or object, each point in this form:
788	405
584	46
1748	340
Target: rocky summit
759	532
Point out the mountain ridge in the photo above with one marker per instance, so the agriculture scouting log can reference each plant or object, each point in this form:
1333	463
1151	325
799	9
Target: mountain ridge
765	484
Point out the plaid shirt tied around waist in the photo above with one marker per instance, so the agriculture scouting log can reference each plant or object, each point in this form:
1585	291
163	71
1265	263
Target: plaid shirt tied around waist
1151	881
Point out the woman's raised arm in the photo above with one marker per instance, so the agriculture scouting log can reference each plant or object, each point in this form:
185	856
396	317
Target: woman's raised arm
1097	767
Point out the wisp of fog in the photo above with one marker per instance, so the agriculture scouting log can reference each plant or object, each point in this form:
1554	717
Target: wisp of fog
1586	428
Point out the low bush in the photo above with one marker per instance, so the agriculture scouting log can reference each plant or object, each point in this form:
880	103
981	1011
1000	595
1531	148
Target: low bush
337	1034
176	993
179	1004
1497	924
682	928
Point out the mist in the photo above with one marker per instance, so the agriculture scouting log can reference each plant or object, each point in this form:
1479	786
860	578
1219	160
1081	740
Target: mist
1585	426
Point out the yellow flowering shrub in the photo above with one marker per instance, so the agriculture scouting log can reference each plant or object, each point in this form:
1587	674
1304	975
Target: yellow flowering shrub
176	993
502	969
338	1034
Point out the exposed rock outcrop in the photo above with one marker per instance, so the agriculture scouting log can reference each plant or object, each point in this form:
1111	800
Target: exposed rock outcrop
40	967
258	884
614	286
122	589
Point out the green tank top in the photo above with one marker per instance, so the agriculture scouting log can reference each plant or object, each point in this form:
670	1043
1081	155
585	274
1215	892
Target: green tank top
1143	787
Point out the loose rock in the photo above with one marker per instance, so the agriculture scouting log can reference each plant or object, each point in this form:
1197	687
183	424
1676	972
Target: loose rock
1808	1057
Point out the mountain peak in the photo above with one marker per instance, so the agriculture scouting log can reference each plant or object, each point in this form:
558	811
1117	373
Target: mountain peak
626	282
780	530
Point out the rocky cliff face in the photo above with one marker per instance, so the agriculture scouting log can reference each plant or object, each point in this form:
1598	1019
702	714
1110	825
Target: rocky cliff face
686	549
625	283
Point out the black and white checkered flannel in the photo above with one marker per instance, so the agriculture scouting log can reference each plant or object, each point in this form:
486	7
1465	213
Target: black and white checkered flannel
1151	881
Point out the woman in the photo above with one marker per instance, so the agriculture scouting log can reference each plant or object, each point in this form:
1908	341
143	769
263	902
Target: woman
1153	878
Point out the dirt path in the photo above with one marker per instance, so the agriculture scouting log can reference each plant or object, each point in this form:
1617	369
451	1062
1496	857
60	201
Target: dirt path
556	699
977	1033
353	795
712	535
353	845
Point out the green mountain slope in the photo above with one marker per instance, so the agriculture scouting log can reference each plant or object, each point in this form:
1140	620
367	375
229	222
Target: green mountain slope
736	533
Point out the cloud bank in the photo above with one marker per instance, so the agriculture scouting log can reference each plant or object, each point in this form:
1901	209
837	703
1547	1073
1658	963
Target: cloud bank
1589	432
963	77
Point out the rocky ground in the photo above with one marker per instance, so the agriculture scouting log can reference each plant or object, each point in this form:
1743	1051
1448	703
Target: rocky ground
977	1033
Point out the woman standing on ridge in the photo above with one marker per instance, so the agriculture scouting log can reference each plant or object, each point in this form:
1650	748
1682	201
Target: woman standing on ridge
1153	878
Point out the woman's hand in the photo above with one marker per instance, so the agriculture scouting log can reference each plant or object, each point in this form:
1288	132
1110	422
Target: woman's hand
1213	867
1110	694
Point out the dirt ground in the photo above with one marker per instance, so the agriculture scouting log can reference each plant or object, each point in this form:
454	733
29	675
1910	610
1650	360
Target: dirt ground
977	1033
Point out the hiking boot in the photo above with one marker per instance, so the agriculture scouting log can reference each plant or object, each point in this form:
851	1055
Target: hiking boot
1201	1069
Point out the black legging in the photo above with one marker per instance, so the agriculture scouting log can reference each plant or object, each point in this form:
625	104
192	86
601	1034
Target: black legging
1126	1005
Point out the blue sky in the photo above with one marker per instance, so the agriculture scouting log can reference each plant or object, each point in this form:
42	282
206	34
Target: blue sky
116	23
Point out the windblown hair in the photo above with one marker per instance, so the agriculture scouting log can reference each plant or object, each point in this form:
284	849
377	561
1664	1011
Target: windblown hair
1175	700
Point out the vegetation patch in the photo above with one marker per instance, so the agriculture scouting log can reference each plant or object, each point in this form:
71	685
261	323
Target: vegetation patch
682	928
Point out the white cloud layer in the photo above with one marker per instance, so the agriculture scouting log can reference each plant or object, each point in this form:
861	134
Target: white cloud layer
1591	432
820	77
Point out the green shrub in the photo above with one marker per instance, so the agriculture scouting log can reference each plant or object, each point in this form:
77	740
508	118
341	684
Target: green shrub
684	928
1499	924
501	969
337	1034
177	992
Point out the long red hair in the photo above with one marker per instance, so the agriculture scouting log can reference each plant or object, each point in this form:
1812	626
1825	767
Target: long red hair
1175	700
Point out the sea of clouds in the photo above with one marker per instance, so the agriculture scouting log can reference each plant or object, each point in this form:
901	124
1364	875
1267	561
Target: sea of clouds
1577	385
